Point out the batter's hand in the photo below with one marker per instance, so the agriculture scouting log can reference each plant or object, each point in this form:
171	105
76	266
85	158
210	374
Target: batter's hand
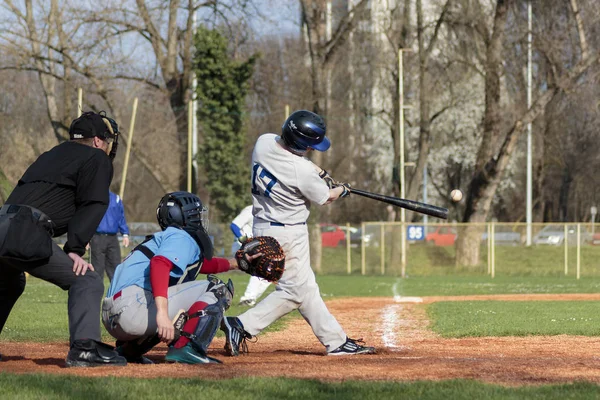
80	266
347	189
166	330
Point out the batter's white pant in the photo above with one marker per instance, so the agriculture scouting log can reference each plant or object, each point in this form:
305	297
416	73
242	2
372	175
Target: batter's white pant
256	287
297	289
131	313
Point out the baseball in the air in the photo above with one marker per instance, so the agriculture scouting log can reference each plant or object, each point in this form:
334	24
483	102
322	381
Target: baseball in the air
456	195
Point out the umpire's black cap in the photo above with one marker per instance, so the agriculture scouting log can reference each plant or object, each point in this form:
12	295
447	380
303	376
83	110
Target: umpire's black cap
90	124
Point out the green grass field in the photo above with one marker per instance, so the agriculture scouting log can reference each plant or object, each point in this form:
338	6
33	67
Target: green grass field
514	318
44	305
34	387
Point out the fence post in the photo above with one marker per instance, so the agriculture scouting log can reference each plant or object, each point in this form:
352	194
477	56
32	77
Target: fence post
566	249
363	261
489	248
578	251
348	255
382	249
493	250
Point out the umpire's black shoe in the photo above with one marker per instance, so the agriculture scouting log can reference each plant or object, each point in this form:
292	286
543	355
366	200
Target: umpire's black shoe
235	336
90	353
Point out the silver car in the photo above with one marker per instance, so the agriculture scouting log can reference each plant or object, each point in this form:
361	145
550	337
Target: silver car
555	235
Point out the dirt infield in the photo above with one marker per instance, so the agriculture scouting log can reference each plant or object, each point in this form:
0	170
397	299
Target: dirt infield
407	350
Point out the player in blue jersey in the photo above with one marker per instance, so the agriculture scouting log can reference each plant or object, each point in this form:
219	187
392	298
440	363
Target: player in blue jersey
158	279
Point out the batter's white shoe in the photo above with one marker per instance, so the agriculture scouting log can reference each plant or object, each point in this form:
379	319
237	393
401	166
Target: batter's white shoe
244	301
351	347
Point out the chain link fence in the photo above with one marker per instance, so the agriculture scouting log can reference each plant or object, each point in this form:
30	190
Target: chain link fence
375	248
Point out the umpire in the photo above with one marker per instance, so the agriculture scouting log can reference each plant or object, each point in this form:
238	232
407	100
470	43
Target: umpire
64	190
105	248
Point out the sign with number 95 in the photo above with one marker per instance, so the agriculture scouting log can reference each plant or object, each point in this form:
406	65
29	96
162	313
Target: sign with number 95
415	232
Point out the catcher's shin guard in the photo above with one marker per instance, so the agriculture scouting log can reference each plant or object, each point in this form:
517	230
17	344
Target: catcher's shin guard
208	321
222	291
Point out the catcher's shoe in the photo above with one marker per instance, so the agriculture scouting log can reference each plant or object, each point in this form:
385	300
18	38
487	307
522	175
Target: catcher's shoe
352	346
139	359
188	355
90	353
235	336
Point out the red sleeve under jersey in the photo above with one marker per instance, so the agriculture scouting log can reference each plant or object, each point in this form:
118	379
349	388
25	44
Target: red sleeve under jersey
160	268
215	265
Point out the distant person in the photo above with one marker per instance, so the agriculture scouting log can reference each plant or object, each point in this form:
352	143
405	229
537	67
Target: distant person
64	191
241	226
105	248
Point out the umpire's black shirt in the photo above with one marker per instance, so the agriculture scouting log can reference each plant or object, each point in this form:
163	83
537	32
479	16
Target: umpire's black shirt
69	183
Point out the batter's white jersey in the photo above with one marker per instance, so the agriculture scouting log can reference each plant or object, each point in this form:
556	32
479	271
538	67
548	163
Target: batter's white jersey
283	187
244	221
283	184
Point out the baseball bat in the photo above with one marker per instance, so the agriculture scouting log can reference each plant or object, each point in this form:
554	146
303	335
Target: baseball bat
423	208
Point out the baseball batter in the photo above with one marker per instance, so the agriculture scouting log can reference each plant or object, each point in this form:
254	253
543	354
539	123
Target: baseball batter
158	279
284	184
241	226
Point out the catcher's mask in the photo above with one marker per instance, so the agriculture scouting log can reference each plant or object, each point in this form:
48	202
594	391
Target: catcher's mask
91	124
185	210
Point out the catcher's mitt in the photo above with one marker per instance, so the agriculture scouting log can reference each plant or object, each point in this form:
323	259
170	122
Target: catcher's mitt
269	265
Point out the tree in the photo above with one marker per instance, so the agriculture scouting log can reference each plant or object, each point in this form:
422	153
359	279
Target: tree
323	42
221	92
500	136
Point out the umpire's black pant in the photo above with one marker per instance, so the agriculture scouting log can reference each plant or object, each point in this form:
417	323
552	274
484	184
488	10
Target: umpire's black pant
106	254
85	291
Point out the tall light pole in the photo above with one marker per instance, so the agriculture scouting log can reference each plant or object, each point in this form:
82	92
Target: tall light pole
194	118
401	150
529	144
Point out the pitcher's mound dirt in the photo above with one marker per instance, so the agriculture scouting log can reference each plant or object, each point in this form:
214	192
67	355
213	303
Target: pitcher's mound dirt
406	350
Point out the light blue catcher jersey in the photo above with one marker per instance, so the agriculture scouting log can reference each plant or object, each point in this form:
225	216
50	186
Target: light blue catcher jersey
174	244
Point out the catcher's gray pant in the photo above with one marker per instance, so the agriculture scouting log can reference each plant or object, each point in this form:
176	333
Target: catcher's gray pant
131	313
297	289
106	254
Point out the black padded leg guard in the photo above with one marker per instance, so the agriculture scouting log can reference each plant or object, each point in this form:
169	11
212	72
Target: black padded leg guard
222	291
207	327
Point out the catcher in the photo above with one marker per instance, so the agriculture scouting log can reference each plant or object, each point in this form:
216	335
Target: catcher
154	295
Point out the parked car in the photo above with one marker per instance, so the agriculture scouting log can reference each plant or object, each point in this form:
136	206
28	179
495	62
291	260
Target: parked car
554	235
504	235
331	235
441	236
357	237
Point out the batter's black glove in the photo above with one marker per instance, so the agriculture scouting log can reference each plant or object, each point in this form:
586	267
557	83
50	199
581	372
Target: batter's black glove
269	265
328	179
347	189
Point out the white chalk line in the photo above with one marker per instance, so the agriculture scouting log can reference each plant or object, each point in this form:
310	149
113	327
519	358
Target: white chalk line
392	321
398	298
